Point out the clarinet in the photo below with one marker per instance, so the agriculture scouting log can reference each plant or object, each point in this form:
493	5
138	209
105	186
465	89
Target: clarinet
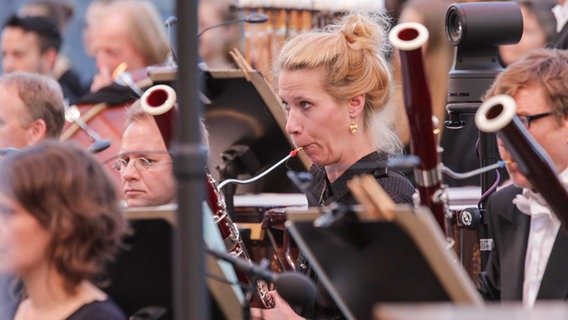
497	114
409	38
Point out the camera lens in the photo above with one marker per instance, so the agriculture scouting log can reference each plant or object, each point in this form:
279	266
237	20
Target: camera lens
454	28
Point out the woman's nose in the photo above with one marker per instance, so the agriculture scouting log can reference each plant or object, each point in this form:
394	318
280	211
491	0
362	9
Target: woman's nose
292	123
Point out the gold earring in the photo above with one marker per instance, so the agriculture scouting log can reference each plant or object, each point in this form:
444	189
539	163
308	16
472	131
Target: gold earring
353	127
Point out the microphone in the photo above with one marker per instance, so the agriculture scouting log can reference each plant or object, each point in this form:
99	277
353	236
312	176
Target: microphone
294	287
251	18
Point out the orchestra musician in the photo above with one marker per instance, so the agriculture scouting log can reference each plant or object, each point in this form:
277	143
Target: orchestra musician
149	181
335	86
560	12
528	259
62	14
60	222
31	110
146	179
32	44
215	44
129	32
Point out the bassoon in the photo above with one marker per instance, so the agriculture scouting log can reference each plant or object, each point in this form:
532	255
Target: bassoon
159	101
497	114
409	38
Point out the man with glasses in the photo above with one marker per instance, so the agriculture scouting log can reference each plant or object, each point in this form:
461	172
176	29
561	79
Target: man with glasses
529	258
144	164
142	275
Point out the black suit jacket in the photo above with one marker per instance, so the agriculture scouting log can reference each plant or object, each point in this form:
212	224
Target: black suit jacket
561	40
504	276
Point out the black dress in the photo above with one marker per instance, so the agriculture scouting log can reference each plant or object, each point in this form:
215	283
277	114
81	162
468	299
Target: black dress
323	193
96	310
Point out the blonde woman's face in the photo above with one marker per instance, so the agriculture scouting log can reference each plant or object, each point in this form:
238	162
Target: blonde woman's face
315	120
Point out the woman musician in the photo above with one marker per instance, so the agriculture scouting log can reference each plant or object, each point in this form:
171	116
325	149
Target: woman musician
335	86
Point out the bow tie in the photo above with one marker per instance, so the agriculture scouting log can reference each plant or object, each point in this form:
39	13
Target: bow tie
531	203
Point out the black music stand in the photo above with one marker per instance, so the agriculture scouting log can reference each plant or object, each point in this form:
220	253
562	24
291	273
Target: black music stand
364	263
247	134
141	277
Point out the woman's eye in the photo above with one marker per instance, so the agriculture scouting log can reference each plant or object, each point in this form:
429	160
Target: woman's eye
305	105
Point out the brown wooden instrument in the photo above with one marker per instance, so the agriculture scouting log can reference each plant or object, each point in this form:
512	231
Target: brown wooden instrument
233	240
159	101
107	121
285	255
409	38
497	114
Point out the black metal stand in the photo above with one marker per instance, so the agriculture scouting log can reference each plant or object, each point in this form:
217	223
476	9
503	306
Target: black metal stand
488	154
249	295
238	159
189	169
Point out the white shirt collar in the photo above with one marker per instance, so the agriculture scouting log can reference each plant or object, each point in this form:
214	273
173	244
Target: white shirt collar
542	234
560	12
532	203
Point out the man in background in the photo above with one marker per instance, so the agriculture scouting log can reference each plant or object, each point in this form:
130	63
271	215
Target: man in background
32	44
32	109
560	12
528	261
127	32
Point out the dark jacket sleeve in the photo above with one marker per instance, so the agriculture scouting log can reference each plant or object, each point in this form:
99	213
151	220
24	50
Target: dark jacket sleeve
488	281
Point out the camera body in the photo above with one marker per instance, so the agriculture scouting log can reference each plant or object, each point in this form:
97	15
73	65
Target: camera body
477	30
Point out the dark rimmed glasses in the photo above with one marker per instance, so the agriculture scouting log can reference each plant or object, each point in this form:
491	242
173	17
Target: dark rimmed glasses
527	119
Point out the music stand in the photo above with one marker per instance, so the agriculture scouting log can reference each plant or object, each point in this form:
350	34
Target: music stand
364	263
246	121
142	274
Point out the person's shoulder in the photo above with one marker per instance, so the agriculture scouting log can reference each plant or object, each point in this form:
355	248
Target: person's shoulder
99	310
397	185
505	193
500	207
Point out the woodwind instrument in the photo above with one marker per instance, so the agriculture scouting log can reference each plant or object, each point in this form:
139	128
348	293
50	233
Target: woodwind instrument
159	101
497	114
409	38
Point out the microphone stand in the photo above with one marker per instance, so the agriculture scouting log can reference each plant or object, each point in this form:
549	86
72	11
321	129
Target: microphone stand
294	287
190	294
248	298
252	18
